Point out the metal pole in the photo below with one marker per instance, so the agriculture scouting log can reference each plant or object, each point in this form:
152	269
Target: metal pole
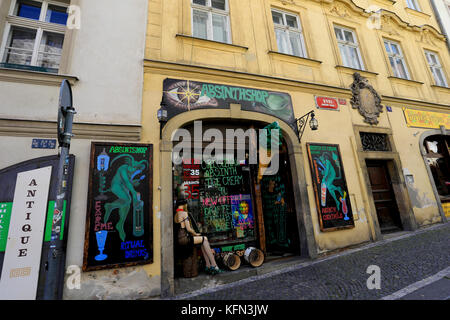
55	265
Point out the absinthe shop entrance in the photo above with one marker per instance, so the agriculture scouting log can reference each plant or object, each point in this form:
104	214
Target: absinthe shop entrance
231	203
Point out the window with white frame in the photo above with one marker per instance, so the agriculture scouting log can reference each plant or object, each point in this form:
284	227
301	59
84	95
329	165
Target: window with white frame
436	68
288	31
396	59
34	35
413	4
349	48
210	20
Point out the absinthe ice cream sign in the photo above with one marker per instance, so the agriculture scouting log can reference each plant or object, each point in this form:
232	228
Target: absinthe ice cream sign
186	95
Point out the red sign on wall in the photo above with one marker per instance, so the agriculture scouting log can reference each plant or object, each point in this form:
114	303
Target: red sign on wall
327	103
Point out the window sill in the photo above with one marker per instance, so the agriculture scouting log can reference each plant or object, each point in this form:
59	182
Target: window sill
387	2
418	13
405	81
34	77
353	70
199	41
441	88
295	59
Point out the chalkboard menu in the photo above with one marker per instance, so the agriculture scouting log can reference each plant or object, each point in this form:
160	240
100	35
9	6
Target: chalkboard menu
119	228
330	187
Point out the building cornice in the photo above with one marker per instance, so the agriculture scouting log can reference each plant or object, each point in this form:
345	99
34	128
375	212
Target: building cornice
175	69
35	77
47	129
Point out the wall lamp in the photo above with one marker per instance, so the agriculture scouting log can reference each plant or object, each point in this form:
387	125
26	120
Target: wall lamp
301	123
162	117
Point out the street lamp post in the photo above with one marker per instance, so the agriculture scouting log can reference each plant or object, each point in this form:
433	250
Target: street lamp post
55	264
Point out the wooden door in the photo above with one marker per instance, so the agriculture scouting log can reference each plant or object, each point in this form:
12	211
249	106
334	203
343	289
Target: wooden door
384	197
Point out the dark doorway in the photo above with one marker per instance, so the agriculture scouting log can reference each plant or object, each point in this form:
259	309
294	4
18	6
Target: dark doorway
383	196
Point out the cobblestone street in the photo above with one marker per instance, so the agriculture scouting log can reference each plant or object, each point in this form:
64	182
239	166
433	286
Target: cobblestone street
403	261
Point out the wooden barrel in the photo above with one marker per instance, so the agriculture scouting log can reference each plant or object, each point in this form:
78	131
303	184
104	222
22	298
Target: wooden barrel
254	256
232	261
190	265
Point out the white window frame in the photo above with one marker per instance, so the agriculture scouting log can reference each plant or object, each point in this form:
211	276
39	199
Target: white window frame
436	67
345	43
209	10
40	26
290	30
413	5
400	56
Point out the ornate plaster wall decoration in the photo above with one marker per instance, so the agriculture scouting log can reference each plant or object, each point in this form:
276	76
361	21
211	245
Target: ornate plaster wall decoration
339	9
365	99
387	25
427	37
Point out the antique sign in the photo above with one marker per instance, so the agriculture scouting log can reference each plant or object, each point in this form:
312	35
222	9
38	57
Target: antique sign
186	95
327	103
330	187
365	99
426	119
119	228
54	222
20	271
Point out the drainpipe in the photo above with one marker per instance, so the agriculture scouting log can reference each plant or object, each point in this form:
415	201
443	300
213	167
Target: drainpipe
441	25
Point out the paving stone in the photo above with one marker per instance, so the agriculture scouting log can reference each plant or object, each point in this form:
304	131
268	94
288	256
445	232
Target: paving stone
402	262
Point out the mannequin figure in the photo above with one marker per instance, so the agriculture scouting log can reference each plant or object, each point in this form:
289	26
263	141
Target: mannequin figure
187	237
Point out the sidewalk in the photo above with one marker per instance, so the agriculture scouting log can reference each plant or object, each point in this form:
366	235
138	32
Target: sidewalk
403	258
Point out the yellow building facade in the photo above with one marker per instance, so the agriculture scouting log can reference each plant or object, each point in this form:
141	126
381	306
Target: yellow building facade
308	52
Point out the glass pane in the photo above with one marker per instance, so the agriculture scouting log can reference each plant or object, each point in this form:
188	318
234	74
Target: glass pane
427	55
277	17
401	69
434	59
395	49
439	77
338	33
200	2
56	14
20	46
388	47
219	28
50	50
291	22
282	41
344	55
296	44
393	66
29	9
354	58
349	36
200	21
218	4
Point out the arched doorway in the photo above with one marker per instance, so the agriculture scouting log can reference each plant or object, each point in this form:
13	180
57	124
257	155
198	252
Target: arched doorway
301	208
434	145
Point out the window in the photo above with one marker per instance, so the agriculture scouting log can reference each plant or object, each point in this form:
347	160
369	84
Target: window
348	46
288	32
413	4
436	68
35	41
210	20
396	59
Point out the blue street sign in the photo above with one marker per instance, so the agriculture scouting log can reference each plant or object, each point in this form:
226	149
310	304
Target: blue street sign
43	144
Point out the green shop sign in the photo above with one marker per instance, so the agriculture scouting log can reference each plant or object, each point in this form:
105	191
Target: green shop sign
186	95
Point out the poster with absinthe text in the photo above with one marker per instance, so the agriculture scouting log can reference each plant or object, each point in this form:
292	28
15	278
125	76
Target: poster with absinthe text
119	229
330	187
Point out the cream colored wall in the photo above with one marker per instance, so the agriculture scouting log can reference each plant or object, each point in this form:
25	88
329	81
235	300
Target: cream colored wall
252	61
249	51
